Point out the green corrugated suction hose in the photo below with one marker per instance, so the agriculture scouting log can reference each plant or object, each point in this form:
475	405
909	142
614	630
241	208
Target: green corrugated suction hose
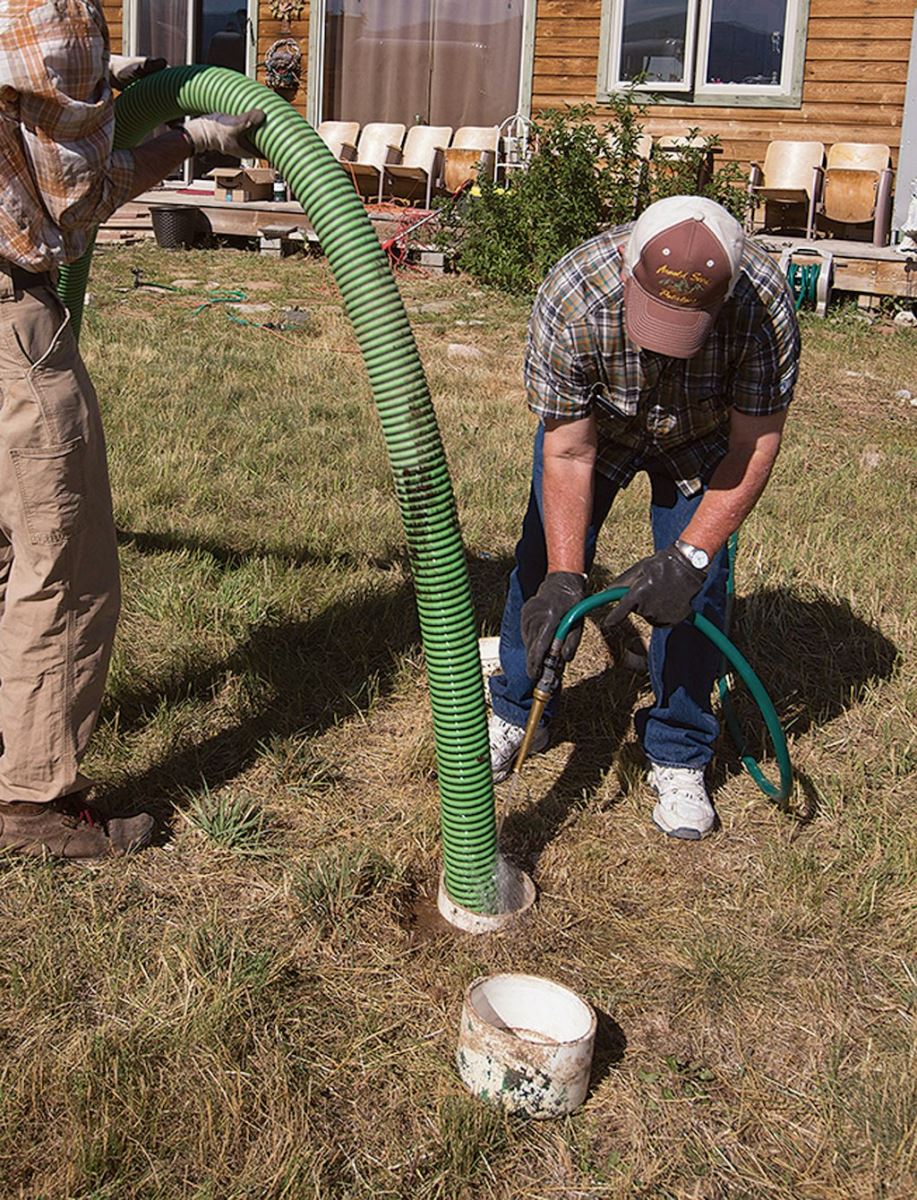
409	426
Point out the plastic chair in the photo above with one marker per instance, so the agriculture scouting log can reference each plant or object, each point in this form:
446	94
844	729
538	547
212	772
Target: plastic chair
366	162
791	176
422	149
857	189
338	134
473	147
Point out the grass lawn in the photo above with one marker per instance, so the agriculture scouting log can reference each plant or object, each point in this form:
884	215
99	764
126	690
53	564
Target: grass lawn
253	1009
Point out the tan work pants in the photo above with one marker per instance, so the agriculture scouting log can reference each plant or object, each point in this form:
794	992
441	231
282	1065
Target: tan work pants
59	591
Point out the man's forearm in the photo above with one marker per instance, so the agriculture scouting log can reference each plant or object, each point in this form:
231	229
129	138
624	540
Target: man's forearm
567	492
734	490
159	157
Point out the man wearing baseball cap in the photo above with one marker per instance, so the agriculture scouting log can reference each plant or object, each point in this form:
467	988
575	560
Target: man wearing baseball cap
671	347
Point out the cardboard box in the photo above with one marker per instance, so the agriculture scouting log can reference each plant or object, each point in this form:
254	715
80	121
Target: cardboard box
242	183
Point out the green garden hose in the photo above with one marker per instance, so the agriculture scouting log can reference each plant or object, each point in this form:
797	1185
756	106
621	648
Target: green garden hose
803	281
373	303
743	669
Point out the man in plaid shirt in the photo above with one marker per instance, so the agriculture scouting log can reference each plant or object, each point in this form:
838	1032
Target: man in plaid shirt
59	592
669	347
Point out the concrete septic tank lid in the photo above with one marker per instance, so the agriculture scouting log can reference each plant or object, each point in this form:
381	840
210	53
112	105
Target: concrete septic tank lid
526	1042
517	885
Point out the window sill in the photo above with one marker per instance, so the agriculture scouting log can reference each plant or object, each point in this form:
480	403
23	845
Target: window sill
704	99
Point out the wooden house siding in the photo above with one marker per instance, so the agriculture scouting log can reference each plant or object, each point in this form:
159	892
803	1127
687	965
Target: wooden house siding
113	16
856	61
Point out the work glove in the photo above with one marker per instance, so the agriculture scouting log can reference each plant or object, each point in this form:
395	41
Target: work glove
541	615
123	70
660	588
225	134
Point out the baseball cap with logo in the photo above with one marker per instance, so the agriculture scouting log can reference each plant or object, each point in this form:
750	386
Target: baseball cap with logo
681	262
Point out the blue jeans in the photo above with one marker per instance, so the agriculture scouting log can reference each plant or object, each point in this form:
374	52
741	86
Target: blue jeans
679	729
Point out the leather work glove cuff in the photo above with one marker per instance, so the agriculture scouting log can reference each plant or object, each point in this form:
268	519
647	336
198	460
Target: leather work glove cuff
541	615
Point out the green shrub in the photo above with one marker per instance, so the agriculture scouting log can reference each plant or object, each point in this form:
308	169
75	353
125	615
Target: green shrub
509	236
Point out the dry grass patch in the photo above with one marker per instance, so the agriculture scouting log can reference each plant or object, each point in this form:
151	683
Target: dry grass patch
251	1010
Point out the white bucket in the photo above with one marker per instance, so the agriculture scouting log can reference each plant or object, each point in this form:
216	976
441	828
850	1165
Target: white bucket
526	1043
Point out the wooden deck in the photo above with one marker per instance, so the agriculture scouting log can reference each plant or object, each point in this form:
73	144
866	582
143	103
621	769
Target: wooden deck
848	266
263	219
855	266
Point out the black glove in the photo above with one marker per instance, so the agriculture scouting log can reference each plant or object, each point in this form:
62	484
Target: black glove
661	588
542	614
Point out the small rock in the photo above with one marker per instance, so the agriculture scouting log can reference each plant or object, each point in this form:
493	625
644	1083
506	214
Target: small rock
902	394
434	306
905	317
185	283
914	403
460	350
871	458
295	318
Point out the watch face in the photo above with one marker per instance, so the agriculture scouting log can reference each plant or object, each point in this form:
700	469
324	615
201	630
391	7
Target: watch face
696	557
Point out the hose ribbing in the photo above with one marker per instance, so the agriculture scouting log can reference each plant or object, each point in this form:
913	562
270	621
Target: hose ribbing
422	484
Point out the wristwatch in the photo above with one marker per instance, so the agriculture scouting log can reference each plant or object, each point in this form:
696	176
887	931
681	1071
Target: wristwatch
695	556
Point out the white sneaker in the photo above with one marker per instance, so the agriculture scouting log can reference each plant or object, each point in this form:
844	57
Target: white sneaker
683	809
505	740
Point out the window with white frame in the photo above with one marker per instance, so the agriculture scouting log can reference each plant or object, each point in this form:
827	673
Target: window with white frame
706	51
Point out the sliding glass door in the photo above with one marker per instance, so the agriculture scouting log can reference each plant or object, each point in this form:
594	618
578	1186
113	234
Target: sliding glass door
441	62
217	32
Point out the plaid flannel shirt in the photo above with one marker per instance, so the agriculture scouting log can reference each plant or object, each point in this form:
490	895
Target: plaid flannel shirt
60	176
650	407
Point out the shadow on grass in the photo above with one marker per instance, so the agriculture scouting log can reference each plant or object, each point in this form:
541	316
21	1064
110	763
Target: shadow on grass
814	654
815	657
302	677
610	1047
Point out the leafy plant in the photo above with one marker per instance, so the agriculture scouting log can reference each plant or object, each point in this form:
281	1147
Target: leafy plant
688	171
235	822
584	175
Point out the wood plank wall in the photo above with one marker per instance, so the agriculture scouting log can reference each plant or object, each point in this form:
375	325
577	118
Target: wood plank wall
112	13
853	90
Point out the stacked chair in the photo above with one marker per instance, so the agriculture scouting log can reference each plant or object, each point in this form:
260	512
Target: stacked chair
473	148
789	184
378	145
420	162
857	190
338	134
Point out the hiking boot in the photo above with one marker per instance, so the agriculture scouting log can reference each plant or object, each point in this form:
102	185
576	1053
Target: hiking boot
683	809
505	740
68	828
